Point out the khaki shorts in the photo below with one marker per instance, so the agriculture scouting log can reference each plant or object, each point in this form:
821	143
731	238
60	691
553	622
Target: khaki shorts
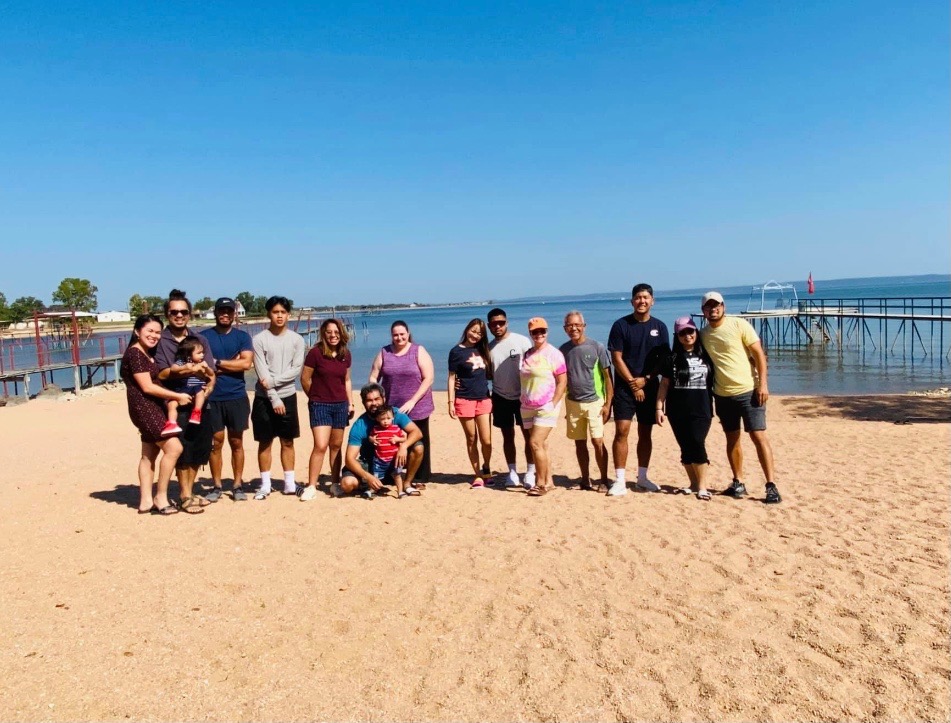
584	418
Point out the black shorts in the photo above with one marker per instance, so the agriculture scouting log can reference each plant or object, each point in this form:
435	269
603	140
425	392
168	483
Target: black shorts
731	410
506	413
626	408
230	414
196	440
267	424
690	431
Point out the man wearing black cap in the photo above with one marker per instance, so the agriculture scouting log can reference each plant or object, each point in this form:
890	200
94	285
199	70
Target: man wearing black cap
228	407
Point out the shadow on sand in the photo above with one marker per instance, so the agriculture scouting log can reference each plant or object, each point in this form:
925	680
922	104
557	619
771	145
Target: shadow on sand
897	408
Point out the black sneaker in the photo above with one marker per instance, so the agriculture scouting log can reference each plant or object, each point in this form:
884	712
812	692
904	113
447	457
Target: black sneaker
772	494
737	490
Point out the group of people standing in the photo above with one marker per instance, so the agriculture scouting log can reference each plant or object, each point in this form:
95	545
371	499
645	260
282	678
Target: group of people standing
187	395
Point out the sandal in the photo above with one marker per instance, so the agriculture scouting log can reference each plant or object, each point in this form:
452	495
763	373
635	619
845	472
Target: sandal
683	491
411	492
537	491
190	506
151	510
165	511
704	495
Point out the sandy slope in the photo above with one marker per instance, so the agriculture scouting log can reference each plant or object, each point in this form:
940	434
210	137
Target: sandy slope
484	605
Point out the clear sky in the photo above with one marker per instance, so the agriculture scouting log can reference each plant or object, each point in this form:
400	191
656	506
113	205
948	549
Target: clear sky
343	152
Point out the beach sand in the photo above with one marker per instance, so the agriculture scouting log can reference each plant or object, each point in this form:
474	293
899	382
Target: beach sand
466	605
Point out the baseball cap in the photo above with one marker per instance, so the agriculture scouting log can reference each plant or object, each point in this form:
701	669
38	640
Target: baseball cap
225	302
536	322
683	322
711	296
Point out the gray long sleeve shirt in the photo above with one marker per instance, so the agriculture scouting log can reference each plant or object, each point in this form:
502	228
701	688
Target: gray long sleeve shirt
278	359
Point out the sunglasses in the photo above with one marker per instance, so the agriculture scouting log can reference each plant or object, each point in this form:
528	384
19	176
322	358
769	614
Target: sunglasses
179	312
538	332
498	322
686	332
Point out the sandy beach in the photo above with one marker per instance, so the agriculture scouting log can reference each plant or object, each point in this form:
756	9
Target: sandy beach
470	605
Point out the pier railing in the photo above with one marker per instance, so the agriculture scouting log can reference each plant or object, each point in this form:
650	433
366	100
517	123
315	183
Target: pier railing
911	325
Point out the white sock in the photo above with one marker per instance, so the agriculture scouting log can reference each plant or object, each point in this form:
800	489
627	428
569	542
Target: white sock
619	475
641	474
513	475
289	483
265	480
512	467
531	469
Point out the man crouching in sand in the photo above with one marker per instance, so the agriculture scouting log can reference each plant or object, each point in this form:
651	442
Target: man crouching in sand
357	474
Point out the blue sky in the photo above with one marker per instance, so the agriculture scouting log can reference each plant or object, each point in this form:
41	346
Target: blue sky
371	152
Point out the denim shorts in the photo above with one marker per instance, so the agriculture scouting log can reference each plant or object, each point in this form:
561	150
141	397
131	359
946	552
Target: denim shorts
731	410
382	470
329	414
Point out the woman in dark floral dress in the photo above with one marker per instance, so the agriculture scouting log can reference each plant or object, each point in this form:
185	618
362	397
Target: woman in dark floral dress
147	412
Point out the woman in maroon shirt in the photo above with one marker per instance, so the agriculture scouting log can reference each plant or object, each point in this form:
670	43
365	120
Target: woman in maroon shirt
325	380
147	411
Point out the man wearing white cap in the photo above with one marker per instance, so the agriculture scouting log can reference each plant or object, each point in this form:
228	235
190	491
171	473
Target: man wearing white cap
735	349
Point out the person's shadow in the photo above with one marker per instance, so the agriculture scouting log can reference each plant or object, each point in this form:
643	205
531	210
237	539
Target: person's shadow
128	495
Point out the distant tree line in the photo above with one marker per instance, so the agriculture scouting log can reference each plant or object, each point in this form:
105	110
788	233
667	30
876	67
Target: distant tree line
253	305
72	294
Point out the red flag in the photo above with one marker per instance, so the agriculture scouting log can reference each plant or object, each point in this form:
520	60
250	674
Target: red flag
810	284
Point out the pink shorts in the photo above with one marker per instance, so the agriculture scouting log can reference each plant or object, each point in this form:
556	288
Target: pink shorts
469	408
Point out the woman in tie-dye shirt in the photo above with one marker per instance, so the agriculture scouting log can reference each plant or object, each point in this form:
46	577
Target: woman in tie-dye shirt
544	381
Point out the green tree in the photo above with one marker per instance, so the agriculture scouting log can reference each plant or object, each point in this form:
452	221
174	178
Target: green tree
155	304
4	309
247	301
136	305
258	307
23	308
76	294
204	304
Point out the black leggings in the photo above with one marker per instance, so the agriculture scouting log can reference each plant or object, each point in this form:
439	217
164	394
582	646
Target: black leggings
691	434
425	468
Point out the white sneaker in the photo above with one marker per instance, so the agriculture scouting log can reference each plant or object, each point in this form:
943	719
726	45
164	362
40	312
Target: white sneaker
646	485
529	480
309	493
512	480
617	489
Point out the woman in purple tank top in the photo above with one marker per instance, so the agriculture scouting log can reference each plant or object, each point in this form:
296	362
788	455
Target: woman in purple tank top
405	370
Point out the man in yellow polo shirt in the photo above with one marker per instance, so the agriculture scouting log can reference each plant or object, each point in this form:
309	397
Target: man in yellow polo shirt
738	355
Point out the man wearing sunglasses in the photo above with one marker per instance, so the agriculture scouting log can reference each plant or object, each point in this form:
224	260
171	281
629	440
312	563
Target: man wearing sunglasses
735	349
506	351
196	439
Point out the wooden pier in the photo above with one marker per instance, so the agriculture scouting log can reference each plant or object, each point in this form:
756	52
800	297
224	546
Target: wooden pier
908	325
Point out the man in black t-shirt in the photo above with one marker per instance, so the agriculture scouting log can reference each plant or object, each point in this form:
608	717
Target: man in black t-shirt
637	342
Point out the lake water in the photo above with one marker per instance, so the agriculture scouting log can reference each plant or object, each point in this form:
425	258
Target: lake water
811	369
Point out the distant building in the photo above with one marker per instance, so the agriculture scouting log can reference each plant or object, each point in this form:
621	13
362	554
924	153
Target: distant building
113	316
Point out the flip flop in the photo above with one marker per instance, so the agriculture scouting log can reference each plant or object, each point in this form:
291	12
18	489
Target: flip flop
537	492
190	506
704	495
683	491
165	511
149	511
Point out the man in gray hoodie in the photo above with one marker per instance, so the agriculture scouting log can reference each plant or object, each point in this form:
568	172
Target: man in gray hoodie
278	359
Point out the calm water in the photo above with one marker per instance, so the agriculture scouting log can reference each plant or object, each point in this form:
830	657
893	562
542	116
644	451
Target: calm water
813	369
